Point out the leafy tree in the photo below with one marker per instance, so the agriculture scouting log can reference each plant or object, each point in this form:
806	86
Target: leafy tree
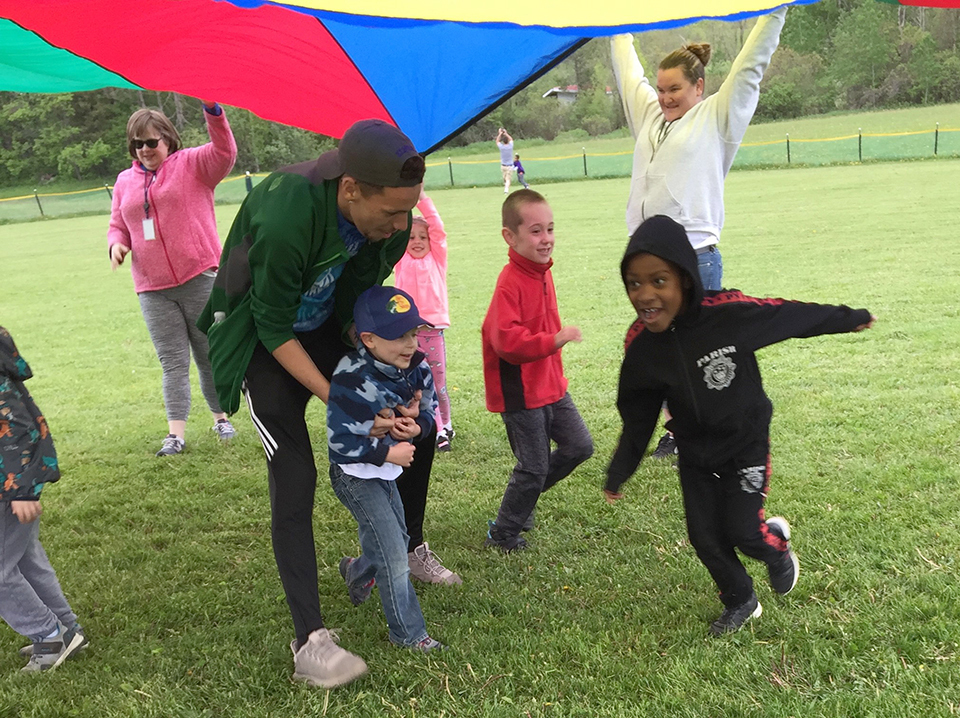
862	52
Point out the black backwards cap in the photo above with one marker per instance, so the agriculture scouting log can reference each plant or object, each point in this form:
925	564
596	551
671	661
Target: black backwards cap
372	151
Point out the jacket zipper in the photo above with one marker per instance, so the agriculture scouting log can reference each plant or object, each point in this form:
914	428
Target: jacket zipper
156	222
686	374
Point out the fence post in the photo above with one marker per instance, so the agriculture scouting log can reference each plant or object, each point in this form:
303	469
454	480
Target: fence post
788	148
450	167
249	182
860	144
584	161
936	139
109	193
37	197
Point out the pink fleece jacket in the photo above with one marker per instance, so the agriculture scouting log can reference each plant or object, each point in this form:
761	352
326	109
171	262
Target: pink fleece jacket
425	279
181	206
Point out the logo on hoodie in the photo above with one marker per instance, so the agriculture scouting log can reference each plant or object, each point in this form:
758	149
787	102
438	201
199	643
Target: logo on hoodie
718	368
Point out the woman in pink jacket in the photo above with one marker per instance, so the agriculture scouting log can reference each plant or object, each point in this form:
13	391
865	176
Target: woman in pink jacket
162	215
422	273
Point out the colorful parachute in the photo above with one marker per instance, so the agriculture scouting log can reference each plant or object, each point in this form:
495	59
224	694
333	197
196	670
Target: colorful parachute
430	67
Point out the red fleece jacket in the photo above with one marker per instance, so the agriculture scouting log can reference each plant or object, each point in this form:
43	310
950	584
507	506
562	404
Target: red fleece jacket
522	368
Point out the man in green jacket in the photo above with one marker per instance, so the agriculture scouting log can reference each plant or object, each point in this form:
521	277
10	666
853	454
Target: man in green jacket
307	241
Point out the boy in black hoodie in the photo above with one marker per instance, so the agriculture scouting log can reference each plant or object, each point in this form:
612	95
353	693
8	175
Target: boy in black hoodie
695	350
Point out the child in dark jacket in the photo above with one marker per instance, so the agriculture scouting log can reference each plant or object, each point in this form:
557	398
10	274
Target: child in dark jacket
31	600
695	350
387	376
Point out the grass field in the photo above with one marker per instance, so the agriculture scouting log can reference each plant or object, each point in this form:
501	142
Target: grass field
814	141
169	565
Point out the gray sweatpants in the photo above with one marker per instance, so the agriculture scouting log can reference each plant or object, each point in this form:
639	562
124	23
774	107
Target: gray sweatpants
30	597
171	316
530	432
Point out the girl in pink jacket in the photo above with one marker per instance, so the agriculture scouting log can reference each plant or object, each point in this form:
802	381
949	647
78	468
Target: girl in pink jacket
162	215
422	273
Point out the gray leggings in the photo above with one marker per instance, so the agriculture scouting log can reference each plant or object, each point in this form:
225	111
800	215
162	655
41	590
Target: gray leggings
171	316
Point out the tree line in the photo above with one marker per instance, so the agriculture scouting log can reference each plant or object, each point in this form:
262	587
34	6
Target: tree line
835	55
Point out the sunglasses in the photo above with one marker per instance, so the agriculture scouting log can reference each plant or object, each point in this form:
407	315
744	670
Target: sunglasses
152	144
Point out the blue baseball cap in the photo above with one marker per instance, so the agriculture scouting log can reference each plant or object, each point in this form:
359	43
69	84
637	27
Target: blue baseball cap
387	312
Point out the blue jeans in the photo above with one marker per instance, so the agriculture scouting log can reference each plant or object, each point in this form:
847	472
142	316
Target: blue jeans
376	506
710	265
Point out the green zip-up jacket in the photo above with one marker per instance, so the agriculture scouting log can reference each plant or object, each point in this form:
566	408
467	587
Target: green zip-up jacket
283	237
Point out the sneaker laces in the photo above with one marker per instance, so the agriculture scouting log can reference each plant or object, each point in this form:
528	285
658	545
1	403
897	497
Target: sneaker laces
172	442
429	560
322	647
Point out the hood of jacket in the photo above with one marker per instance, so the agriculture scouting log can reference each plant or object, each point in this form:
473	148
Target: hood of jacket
664	238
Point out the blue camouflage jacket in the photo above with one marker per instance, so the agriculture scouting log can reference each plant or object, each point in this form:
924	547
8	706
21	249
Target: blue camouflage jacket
27	457
362	387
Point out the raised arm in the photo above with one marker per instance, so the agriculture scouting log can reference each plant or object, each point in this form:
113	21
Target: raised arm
438	236
215	159
738	95
638	97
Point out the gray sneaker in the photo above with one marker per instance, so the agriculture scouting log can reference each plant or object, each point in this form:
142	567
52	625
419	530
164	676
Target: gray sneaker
358	594
425	566
224	429
27	651
429	644
321	662
48	654
733	618
172	444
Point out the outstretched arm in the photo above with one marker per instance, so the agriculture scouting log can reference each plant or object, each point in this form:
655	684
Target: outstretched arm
767	321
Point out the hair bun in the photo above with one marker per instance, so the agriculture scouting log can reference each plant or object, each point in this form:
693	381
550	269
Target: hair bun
701	49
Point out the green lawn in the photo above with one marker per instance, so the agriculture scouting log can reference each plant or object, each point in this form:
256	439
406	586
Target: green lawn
169	564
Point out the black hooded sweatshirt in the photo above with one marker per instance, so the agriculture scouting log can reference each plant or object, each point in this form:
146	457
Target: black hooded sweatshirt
704	365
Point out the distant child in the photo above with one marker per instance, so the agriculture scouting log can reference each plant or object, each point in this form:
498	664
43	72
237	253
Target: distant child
422	273
505	147
388	377
520	172
31	601
523	372
695	350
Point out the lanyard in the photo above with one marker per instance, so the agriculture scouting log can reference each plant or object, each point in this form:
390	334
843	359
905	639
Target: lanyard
665	128
147	183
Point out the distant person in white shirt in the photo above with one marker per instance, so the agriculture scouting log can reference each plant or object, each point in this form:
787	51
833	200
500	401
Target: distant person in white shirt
505	145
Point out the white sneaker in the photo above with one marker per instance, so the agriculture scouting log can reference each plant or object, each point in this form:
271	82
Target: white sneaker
426	567
321	662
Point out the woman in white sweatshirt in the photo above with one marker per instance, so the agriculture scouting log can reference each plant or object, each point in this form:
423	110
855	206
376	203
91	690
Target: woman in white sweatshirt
686	142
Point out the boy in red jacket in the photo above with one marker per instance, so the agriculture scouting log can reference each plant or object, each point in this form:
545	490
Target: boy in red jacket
523	372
